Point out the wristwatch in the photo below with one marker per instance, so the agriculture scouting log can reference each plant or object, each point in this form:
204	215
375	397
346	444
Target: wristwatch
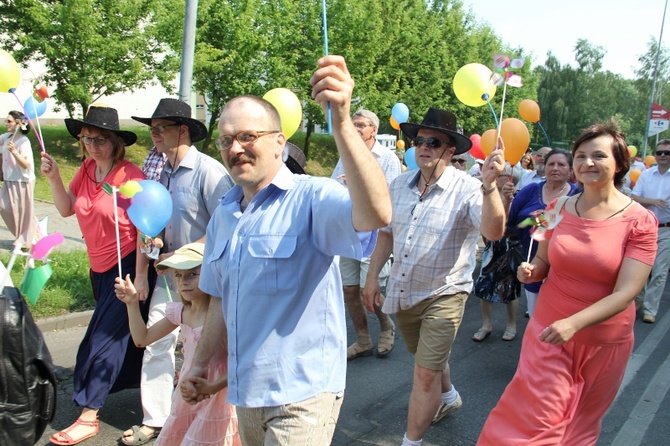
487	191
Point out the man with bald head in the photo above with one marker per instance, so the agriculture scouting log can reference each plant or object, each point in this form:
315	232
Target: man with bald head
538	174
270	265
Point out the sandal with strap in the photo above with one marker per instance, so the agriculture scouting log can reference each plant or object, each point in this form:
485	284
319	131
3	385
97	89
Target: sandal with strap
356	350
386	342
139	437
481	334
509	335
65	438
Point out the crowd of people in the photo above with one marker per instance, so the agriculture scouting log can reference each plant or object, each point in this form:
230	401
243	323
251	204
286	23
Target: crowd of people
267	261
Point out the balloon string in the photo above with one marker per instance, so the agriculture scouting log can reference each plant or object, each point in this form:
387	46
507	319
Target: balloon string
325	53
38	135
493	112
545	134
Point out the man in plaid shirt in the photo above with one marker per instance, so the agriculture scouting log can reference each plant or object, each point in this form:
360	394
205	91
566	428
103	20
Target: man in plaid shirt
153	164
438	213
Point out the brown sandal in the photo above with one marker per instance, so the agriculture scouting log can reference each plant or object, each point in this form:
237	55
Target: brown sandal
386	342
356	350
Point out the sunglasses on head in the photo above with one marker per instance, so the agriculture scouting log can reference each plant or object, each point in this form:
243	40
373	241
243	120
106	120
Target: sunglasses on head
432	143
662	152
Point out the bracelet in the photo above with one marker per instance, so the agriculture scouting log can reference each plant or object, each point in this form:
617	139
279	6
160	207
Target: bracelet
488	191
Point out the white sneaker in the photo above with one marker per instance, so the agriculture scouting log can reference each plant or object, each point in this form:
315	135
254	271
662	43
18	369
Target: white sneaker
447	409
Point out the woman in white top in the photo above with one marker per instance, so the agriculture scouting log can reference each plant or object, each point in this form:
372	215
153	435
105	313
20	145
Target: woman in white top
18	171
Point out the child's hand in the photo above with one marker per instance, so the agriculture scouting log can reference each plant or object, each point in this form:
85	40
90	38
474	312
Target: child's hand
205	387
125	290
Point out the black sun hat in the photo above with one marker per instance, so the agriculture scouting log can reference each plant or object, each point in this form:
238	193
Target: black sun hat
105	118
442	121
178	112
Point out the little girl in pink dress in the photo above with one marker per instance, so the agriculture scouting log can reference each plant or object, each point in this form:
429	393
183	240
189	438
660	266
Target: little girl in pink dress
212	421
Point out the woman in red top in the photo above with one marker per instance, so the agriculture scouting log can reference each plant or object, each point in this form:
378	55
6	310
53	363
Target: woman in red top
107	360
578	341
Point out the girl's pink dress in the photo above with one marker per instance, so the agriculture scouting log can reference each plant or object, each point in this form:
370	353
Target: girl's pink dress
560	393
210	422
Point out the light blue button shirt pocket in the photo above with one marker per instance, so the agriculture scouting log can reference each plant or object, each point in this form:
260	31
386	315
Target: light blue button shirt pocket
269	252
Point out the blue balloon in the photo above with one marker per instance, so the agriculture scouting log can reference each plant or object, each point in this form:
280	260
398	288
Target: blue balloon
410	159
151	209
400	113
33	108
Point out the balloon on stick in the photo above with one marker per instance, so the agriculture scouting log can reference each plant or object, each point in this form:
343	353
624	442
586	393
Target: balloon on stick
649	161
34	108
516	138
151	209
9	72
488	141
410	158
472	85
634	175
529	110
476	150
400	112
400	144
289	107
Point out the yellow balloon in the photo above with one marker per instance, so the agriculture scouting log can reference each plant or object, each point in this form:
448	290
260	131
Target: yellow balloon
129	189
472	82
649	161
632	150
394	123
400	144
635	174
488	141
529	110
289	107
9	72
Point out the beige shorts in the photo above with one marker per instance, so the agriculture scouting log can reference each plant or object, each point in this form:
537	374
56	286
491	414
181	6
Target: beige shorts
429	328
311	421
354	272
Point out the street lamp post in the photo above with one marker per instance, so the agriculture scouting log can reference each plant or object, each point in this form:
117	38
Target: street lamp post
653	84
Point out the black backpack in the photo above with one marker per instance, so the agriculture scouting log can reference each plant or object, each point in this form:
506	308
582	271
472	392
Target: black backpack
27	378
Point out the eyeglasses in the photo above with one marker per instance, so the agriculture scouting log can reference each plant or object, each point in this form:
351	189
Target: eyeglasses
245	138
662	152
459	161
432	143
160	128
362	125
98	141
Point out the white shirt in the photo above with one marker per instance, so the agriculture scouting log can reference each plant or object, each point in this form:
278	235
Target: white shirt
652	184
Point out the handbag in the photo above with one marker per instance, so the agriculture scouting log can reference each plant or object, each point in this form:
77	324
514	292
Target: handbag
497	281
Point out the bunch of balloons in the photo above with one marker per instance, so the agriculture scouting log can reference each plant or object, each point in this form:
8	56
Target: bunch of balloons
289	107
151	207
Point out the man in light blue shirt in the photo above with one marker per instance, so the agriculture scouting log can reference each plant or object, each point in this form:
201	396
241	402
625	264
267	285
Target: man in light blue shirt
269	256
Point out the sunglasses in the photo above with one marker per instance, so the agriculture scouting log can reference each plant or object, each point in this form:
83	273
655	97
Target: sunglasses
662	152
459	161
432	143
246	138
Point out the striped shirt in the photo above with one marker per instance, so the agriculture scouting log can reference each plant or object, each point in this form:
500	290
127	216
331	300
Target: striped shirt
434	239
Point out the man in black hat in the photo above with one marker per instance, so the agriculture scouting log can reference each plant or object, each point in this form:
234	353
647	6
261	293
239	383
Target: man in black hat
196	183
438	213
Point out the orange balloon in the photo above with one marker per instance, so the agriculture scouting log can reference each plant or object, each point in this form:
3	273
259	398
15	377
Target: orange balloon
634	175
400	144
529	110
649	161
516	138
394	123
488	141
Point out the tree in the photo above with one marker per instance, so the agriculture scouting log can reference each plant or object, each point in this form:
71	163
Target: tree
91	48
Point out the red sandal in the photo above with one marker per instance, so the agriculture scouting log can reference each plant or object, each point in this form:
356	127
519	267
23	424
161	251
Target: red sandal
68	440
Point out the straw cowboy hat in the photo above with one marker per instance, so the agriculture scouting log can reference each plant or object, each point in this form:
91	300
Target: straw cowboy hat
102	118
442	121
179	112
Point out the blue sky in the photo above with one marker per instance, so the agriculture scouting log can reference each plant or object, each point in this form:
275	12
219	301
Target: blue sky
622	27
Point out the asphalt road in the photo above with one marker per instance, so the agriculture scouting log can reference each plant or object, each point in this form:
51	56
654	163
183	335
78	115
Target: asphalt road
375	405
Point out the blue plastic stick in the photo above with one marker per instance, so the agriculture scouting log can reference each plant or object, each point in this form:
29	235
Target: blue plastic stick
325	53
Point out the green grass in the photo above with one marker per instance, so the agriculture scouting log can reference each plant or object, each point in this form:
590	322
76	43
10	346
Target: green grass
69	288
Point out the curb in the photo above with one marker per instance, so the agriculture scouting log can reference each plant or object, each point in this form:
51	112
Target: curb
69	320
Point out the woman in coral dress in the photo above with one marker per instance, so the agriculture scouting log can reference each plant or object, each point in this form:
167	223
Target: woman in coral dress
578	341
